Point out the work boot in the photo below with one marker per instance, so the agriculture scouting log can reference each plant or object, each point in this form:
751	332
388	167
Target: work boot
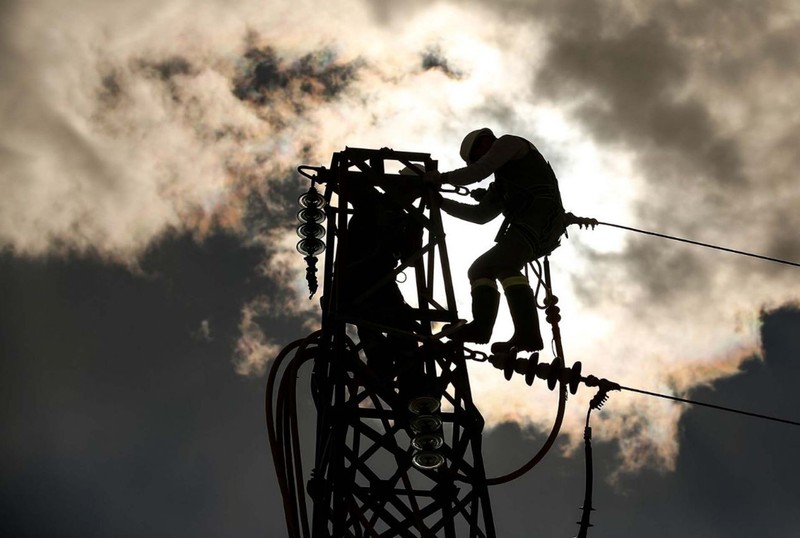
485	303
522	305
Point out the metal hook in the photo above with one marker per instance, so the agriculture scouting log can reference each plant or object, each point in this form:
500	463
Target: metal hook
318	169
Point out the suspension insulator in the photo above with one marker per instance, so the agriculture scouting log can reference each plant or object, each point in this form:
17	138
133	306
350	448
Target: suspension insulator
426	424
520	366
542	370
508	369
311	198
505	362
310	229
530	369
424	405
427	460
553	314
427	441
311	275
509	365
311	214
498	361
554	374
575	376
310	246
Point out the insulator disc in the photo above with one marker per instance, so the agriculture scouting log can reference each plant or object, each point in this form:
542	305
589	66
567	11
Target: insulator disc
530	371
311	214
311	199
427	460
311	229
508	368
427	441
424	405
310	246
575	377
553	375
426	424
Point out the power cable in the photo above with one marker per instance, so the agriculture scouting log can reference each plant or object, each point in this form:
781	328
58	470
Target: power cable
713	406
698	243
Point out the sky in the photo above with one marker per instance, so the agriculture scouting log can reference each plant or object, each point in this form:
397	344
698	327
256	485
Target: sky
148	271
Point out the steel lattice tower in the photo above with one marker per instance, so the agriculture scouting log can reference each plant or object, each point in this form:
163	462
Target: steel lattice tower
379	468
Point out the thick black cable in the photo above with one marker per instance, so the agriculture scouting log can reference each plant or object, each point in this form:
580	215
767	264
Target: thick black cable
274	436
713	406
698	243
587	509
285	448
562	395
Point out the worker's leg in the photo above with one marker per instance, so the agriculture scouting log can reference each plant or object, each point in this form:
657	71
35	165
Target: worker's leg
508	256
522	305
485	303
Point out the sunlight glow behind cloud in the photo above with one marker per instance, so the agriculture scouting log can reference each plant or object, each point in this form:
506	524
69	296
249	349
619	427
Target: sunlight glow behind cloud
122	123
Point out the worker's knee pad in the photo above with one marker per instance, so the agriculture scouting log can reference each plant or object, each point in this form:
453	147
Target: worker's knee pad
516	280
481	282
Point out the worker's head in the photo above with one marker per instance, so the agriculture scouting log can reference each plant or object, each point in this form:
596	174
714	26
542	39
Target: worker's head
476	144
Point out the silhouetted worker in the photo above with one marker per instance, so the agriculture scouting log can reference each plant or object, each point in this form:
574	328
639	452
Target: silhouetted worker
525	191
379	235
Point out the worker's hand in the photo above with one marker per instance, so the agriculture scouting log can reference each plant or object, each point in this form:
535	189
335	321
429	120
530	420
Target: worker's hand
432	178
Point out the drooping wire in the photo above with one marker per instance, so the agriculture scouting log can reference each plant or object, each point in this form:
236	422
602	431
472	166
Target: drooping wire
701	244
712	406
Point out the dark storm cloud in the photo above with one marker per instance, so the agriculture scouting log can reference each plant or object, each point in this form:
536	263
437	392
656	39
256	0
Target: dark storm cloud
116	409
434	58
633	82
735	476
168	68
264	77
110	89
103	421
167	71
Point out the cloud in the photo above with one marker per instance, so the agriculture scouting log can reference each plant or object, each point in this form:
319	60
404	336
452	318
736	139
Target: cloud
123	122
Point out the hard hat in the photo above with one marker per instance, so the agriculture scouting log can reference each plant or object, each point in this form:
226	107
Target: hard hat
469	141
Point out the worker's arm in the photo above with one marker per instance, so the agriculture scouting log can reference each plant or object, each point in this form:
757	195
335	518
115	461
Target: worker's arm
488	208
505	149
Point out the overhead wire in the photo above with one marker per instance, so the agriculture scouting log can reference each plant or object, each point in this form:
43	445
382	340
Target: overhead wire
712	406
701	244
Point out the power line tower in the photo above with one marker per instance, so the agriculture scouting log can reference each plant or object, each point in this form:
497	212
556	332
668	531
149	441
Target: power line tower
398	438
